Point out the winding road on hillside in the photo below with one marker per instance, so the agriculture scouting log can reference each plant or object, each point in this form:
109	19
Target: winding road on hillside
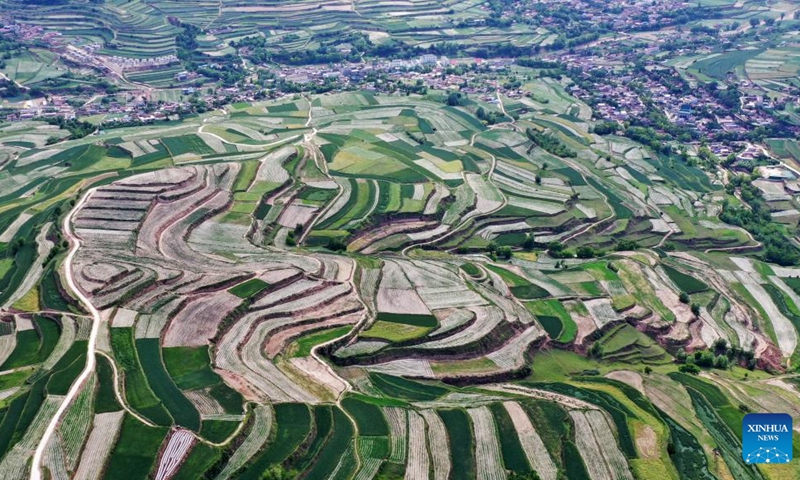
36	473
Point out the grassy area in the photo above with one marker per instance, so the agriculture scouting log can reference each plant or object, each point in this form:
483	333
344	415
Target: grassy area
368	417
137	391
303	345
249	288
685	282
399	387
519	286
135	452
178	406
395	332
34	345
555	319
294	424
190	369
459	434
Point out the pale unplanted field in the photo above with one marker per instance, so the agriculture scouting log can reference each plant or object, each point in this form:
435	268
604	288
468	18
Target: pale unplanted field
418	460
295	214
598	446
101	440
396	300
197	322
178	446
488	458
440	450
532	444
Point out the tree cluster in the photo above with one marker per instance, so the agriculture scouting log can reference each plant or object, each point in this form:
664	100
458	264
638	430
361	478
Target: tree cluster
550	144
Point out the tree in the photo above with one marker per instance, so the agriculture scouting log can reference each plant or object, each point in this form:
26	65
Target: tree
504	252
721	362
336	244
585	252
695	309
454	99
754	22
625	245
529	243
681	355
684	298
648	370
704	359
692	369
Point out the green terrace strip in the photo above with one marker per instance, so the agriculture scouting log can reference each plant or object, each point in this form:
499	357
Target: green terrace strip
460	439
198	462
190	369
513	455
294	423
105	399
180	408
249	288
302	346
137	391
554	318
218	431
336	445
398	387
519	286
368	417
67	369
136	450
34	345
687	283
323	426
618	411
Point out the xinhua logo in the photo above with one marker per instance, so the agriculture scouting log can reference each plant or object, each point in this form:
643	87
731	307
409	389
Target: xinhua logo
767	438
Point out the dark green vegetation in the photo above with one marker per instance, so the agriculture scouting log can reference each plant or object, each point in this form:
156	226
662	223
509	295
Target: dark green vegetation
67	369
338	442
294	424
399	387
135	452
686	452
368	417
552	325
190	369
323	426
137	390
179	407
249	288
199	461
218	431
105	399
409	319
513	455
459	434
685	282
618	411
519	286
34	345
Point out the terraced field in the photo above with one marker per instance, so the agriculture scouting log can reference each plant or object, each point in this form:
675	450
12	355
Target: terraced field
334	299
